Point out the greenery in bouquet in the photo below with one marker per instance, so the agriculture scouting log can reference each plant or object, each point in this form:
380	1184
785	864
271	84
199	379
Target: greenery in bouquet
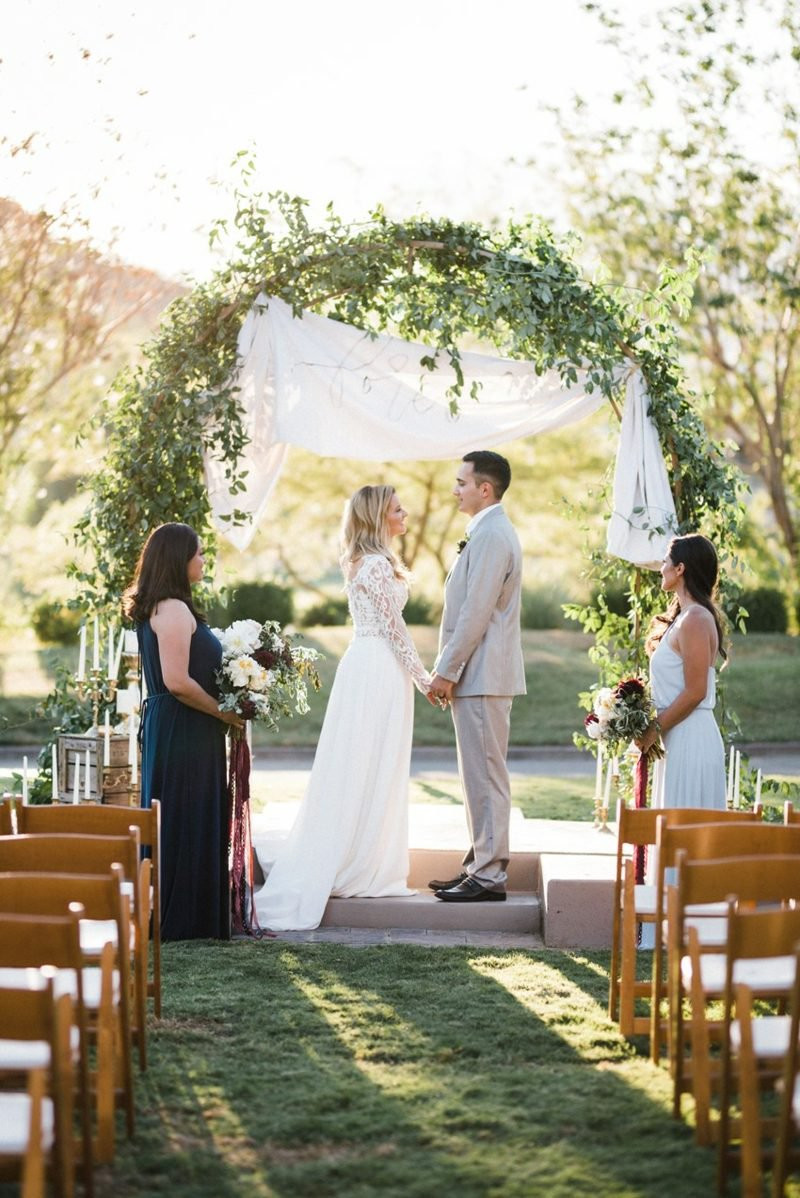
263	675
621	714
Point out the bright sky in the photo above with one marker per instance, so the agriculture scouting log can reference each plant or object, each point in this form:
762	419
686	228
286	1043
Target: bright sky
138	108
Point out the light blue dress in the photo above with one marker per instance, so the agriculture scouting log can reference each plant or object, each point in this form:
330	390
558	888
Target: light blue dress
692	772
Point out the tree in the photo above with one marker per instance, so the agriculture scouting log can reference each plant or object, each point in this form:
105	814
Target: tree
61	304
712	165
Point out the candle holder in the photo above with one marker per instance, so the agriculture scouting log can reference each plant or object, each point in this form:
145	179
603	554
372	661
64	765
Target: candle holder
99	686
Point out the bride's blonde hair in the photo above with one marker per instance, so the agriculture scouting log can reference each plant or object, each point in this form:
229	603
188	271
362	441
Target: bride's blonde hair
365	528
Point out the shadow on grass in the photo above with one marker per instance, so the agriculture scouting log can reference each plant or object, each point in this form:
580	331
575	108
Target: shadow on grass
300	1071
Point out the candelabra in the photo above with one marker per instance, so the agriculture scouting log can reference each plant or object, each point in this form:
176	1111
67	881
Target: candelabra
98	686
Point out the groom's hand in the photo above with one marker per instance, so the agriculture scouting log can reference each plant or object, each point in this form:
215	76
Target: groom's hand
441	691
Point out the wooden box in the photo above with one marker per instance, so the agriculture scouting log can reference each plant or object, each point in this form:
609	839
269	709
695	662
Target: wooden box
115	779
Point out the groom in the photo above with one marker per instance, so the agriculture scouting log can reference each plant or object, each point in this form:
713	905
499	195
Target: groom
479	669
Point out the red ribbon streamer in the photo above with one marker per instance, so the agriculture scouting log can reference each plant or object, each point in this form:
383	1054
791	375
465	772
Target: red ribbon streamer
243	912
640	800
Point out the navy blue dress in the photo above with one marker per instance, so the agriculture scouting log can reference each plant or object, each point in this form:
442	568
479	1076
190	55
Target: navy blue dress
183	766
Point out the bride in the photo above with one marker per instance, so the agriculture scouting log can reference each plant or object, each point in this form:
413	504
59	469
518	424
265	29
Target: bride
350	838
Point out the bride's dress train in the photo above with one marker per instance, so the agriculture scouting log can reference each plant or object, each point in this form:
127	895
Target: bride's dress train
350	838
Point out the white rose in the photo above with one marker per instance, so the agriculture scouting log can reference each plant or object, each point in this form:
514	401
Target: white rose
239	670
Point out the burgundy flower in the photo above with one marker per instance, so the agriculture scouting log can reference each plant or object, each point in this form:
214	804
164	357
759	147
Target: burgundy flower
247	709
268	659
591	718
630	686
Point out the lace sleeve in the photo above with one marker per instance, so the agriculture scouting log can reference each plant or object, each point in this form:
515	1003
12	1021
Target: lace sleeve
378	581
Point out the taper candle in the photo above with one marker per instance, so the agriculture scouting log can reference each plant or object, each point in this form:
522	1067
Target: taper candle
110	650
76	781
729	791
737	779
24	780
607	794
107	741
135	754
96	645
82	654
598	773
87	782
758	787
54	784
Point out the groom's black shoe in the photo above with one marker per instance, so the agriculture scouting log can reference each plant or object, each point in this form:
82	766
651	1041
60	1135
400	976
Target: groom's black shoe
470	891
436	885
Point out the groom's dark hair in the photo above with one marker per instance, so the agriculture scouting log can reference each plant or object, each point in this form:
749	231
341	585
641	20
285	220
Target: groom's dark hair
489	467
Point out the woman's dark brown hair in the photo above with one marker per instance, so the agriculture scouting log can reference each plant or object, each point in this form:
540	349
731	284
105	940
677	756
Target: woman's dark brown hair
700	573
161	572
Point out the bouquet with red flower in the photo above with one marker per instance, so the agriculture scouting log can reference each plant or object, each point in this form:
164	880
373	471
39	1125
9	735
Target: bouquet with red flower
621	714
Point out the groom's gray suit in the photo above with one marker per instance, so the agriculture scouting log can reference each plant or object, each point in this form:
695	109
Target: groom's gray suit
480	649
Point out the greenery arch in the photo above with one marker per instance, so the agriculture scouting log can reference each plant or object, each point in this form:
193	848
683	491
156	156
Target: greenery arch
519	289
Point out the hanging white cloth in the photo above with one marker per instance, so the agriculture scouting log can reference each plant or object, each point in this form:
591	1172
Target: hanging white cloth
643	518
341	392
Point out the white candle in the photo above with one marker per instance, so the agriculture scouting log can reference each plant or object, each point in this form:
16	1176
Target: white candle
118	654
76	782
107	741
737	778
131	642
729	794
607	795
24	780
758	787
87	793
96	645
598	774
82	654
110	650
55	776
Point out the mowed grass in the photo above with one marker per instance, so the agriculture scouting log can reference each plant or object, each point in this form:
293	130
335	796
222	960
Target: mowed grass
762	685
307	1071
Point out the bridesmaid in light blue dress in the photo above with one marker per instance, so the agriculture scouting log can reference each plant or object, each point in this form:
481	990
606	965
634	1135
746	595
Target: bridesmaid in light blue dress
685	643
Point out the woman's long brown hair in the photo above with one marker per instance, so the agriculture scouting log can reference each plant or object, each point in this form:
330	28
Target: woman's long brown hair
700	573
161	572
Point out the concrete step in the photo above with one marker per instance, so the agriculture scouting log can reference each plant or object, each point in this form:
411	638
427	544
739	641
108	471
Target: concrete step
521	912
426	864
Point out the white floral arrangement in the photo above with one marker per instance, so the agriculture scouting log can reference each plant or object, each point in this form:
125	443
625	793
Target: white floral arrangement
263	676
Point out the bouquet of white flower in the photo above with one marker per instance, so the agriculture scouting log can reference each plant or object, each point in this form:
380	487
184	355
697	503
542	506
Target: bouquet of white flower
263	676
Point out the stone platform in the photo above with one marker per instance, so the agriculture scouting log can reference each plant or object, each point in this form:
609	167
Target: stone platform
560	885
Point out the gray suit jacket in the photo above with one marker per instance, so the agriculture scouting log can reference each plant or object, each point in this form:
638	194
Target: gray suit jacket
480	643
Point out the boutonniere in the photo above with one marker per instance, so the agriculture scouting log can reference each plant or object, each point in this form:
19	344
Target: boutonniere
462	544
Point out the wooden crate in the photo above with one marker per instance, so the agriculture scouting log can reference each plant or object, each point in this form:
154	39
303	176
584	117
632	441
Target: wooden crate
115	779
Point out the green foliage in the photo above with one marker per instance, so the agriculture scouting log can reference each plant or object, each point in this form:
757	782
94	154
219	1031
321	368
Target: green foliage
56	624
432	280
326	613
766	609
260	601
542	607
418	610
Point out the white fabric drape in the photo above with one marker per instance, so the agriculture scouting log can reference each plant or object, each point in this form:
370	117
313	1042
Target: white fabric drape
340	392
643	517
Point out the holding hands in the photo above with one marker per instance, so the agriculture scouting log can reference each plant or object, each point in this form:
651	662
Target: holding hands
440	691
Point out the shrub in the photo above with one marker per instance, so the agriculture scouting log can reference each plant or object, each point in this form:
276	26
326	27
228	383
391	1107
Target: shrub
541	608
55	624
617	599
327	611
418	610
254	601
766	609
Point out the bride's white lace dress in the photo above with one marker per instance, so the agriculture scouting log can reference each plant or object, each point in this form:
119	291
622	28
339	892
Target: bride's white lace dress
350	837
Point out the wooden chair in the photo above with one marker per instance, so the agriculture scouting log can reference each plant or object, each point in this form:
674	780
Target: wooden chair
700	973
35	1015
27	941
27	1132
790	816
705	842
74	854
106	981
107	820
786	1153
7	815
636	903
760	953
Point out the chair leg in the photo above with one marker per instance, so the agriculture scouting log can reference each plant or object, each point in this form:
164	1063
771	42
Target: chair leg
701	1063
627	995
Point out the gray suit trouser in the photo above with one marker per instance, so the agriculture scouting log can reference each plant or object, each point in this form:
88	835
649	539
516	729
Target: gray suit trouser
482	726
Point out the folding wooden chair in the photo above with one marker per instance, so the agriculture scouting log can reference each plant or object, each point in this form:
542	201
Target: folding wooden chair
635	904
699	973
106	980
27	1132
38	1023
760	953
27	942
107	820
705	842
76	854
786	1152
790	816
7	815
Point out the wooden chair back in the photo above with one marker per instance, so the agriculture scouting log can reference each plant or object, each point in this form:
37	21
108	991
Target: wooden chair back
107	820
786	1154
790	816
8	806
42	1015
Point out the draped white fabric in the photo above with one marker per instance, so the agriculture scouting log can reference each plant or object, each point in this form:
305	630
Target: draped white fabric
643	502
336	390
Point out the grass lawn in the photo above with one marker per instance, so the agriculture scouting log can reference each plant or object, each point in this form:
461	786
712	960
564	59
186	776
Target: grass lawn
307	1071
762	685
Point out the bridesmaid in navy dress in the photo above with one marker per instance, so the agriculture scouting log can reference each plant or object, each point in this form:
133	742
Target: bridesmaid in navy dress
183	729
